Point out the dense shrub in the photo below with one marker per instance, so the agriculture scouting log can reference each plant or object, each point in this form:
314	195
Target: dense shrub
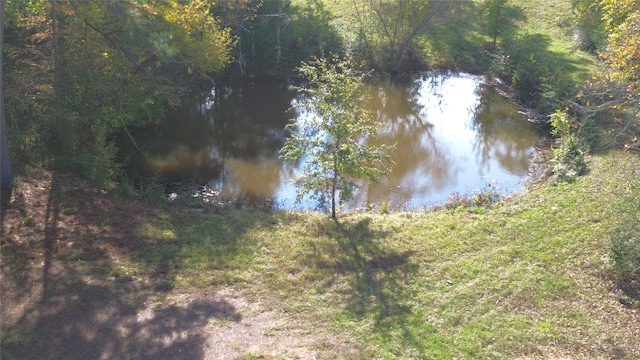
568	156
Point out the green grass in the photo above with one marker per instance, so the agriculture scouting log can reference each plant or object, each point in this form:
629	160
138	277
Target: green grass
526	278
554	20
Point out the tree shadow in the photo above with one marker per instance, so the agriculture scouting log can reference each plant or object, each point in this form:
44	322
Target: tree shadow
92	321
534	68
379	281
526	61
65	294
454	43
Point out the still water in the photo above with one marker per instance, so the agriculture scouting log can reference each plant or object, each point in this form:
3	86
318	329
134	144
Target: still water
452	134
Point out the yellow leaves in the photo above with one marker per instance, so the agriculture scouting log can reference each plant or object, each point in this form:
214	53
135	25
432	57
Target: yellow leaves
623	53
197	35
615	12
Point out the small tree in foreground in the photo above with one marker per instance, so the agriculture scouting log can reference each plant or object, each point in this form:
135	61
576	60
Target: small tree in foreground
333	138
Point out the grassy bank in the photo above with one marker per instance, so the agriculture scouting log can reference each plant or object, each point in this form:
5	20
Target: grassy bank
554	20
529	278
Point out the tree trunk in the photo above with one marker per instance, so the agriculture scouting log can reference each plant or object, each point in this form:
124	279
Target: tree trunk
6	171
334	185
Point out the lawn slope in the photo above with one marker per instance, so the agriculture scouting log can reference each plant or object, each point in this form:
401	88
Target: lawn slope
91	274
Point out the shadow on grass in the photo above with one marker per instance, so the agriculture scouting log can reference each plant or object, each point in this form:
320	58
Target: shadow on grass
379	278
624	239
456	43
540	75
624	252
66	294
466	41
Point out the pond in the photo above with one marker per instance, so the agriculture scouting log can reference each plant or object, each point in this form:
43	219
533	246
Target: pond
452	134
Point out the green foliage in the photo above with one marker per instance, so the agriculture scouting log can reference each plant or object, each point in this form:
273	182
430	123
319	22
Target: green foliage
258	26
616	13
568	160
561	124
100	166
127	187
152	188
568	157
625	252
624	45
80	71
275	37
495	19
589	32
611	97
388	31
539	76
194	37
332	139
526	65
481	199
310	34
384	208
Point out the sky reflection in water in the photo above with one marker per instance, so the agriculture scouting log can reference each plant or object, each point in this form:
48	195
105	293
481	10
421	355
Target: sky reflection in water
452	135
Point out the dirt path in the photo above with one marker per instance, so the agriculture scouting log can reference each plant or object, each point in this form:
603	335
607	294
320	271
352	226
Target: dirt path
65	295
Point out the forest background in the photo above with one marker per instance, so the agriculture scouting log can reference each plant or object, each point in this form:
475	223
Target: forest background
78	72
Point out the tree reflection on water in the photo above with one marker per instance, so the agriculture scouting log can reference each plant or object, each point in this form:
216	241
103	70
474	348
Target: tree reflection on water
452	134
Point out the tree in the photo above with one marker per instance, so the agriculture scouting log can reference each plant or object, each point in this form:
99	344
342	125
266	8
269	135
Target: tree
622	54
332	138
495	19
6	172
623	58
614	93
114	65
589	32
392	26
124	64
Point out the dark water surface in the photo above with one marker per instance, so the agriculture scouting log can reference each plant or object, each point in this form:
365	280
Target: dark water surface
453	134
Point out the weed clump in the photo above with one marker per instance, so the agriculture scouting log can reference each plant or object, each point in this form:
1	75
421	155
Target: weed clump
482	199
568	156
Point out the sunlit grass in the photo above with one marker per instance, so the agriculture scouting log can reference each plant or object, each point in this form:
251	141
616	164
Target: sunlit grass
554	19
520	279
